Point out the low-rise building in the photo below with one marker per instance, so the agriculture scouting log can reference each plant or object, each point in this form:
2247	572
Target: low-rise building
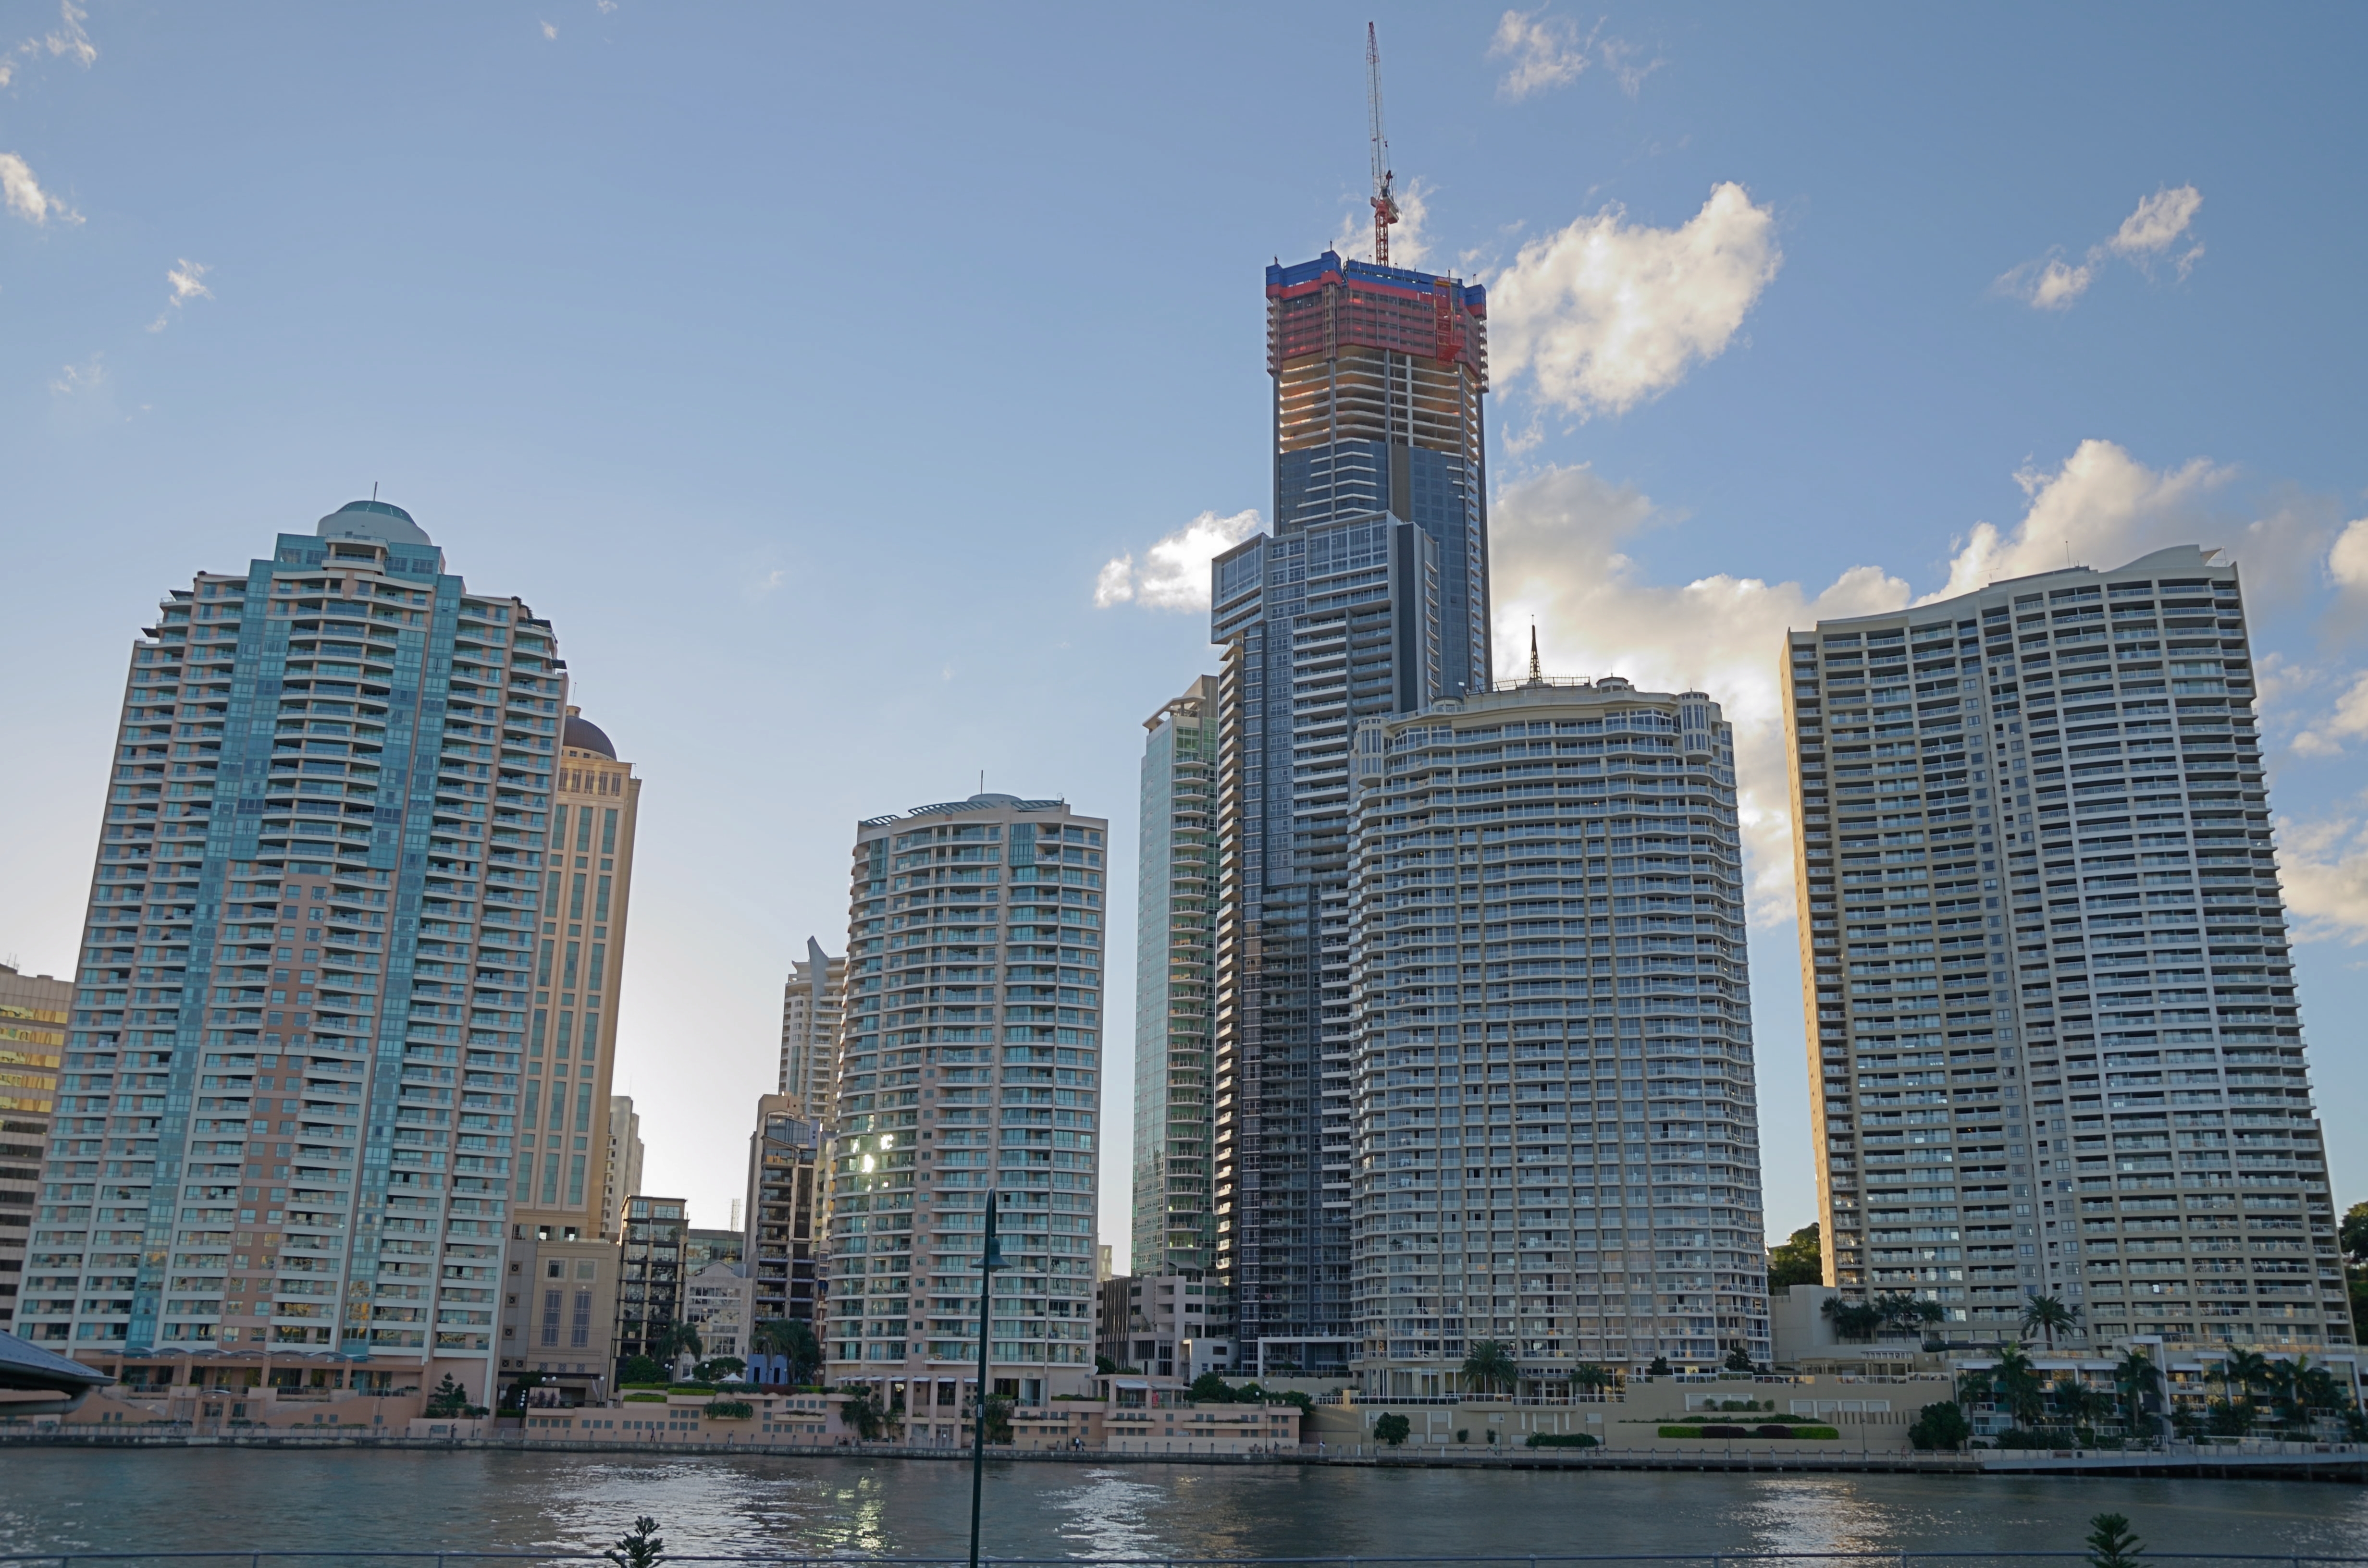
1146	1320
650	1278
715	1302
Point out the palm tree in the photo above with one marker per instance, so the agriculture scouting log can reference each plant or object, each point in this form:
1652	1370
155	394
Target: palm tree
2135	1378
1588	1375
1490	1364
2246	1370
793	1340
2015	1383
2046	1314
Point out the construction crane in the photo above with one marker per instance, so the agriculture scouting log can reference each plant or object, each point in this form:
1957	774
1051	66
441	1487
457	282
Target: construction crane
1385	204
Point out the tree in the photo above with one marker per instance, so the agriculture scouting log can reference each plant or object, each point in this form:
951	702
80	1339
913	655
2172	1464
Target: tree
2014	1383
793	1340
2135	1380
641	1548
1392	1429
1104	1365
1588	1375
719	1367
1939	1427
863	1411
998	1417
1489	1364
450	1400
640	1370
1738	1360
670	1342
1853	1320
2046	1315
1798	1260
1660	1369
2110	1544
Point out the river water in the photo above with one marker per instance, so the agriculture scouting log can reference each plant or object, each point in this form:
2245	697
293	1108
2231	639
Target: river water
95	1500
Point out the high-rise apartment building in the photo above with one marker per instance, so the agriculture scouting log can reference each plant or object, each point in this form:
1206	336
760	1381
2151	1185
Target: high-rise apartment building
564	1219
654	1249
811	1000
33	1009
969	1059
785	1182
1556	1130
2051	1004
1369	598
625	1162
299	1033
1173	1227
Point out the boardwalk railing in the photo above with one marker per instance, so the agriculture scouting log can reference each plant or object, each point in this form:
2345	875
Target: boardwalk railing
1149	1560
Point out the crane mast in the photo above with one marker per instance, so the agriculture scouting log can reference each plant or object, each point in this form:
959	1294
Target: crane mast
1385	204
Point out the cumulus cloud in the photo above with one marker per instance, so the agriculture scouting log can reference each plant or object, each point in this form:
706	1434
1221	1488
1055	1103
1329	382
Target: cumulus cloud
2051	283
2347	563
1174	570
1606	314
1547	53
2347	722
2100	508
2324	866
23	195
1558	542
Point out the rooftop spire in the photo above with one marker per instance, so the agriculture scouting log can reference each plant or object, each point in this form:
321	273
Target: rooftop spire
1535	674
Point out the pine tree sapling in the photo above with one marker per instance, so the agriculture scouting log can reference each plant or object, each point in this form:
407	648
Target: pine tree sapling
641	1548
2110	1544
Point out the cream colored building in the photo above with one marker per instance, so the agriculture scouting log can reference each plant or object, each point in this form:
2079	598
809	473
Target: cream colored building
811	1001
33	1012
2051	1001
625	1165
560	1272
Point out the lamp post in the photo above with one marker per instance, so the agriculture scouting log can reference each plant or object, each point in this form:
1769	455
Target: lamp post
990	1259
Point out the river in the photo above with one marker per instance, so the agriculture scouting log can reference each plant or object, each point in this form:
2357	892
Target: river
99	1500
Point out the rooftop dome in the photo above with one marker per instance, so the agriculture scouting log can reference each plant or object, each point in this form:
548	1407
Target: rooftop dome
372	520
583	734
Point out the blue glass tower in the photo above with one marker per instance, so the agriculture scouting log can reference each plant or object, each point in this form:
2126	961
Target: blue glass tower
294	1053
1369	598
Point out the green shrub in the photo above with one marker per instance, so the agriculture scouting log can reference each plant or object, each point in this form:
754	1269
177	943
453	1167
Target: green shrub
645	1398
1561	1440
1939	1427
730	1409
1393	1429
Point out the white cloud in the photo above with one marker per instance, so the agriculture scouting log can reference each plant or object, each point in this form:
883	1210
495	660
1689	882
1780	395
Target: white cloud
2101	508
70	38
1622	58
23	194
1603	315
81	380
186	279
2052	284
2348	720
1547	53
550	31
2159	221
2324	867
1558	539
605	6
1174	570
2347	563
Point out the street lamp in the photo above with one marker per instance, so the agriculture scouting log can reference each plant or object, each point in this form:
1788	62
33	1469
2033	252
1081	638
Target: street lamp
990	1259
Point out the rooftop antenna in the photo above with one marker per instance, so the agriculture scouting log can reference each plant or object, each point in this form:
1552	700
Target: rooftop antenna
373	489
1385	205
1535	674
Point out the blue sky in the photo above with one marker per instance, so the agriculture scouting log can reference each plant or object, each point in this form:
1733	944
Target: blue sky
833	376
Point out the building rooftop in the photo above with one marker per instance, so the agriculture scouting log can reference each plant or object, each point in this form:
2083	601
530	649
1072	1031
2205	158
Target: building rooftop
372	520
583	734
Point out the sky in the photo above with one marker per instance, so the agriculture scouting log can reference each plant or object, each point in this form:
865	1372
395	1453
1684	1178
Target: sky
861	391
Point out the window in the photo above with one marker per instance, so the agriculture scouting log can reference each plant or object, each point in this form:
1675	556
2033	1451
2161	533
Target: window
550	1318
579	1330
609	832
600	904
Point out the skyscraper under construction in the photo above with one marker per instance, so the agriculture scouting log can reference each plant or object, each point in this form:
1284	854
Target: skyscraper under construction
1369	596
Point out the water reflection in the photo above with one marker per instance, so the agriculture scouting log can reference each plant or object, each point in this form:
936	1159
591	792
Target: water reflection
65	1500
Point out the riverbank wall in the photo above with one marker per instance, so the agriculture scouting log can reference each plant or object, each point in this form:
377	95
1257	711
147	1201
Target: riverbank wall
2332	1462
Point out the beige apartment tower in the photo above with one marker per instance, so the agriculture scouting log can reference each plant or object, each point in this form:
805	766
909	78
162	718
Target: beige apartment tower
560	1283
2052	1004
33	1011
811	999
970	1062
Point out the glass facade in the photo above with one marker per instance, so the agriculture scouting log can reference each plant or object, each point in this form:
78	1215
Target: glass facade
293	1068
1171	1221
